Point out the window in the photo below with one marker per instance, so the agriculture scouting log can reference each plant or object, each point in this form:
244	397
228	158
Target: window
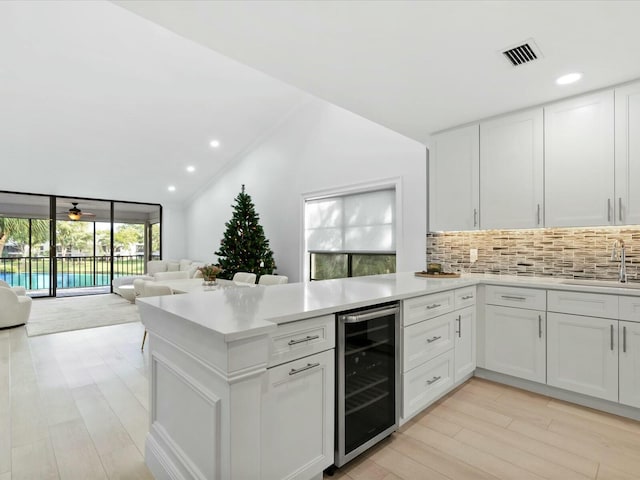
351	235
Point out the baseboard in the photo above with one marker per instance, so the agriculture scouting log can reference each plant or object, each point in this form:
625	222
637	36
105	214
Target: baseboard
560	394
159	462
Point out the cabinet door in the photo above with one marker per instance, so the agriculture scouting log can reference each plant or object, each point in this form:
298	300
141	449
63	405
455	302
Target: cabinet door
515	342
627	134
297	418
454	180
465	343
629	361
579	161
511	171
582	355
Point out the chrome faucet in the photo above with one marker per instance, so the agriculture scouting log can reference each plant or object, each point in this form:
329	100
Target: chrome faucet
622	272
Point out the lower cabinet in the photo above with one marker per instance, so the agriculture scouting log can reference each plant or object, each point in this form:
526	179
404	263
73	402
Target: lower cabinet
465	343
582	355
438	350
297	418
629	363
426	383
515	342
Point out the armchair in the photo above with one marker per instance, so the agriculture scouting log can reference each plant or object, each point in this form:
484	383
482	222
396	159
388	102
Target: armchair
14	308
19	290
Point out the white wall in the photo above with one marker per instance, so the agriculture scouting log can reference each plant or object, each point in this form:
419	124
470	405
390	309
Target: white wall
318	147
174	246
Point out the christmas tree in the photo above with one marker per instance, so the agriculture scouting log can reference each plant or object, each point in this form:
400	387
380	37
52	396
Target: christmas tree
244	247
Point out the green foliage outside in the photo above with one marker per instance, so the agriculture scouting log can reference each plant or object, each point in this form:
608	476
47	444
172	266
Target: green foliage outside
16	231
325	266
244	247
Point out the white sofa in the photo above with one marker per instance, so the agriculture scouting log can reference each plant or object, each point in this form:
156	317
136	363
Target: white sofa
157	270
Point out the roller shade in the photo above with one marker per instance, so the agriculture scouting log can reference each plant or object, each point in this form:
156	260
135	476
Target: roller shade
357	222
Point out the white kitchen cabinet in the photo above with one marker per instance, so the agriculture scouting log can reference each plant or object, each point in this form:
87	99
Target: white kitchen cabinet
426	340
426	383
511	171
582	354
579	161
465	343
515	340
297	418
627	154
454	180
629	363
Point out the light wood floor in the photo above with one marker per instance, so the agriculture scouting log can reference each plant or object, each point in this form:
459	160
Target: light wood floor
74	405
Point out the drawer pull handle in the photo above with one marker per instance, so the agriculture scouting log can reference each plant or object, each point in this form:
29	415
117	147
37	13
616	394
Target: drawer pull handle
308	338
435	305
433	339
467	297
302	369
459	320
433	380
513	297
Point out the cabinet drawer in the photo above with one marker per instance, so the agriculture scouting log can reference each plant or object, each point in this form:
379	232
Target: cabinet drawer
530	298
428	306
426	340
298	339
578	303
465	297
426	383
629	308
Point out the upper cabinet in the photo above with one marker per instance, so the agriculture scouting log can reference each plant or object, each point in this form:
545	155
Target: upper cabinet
627	202
453	180
511	171
579	161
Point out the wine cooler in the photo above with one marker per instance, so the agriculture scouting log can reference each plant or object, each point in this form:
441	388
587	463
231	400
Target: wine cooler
367	393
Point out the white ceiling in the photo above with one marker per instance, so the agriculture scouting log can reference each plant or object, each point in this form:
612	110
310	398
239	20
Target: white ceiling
417	66
99	102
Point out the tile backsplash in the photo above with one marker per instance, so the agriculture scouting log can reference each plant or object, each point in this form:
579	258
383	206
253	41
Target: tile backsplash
559	252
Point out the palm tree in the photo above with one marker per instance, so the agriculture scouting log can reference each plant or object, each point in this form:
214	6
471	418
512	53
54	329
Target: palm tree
18	230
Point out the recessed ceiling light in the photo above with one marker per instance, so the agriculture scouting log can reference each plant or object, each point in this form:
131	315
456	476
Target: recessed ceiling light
191	169
171	188
214	143
569	78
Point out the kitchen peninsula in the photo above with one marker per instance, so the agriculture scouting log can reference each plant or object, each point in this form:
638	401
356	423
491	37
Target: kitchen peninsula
226	397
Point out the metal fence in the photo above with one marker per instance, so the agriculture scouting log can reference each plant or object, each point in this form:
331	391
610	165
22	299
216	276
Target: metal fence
34	273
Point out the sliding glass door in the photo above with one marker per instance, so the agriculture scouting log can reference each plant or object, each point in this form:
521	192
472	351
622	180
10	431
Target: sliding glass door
60	246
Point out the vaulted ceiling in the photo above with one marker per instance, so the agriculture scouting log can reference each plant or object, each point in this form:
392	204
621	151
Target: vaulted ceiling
109	102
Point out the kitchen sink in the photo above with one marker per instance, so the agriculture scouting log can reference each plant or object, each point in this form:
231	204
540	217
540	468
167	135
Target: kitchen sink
601	283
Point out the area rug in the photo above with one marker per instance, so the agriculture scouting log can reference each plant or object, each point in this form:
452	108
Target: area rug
52	315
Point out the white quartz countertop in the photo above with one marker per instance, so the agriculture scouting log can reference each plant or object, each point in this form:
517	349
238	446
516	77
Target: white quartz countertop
237	313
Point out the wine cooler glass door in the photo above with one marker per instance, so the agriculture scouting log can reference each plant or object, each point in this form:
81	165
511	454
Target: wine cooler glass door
367	408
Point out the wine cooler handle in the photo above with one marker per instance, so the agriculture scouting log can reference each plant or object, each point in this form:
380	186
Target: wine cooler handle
363	317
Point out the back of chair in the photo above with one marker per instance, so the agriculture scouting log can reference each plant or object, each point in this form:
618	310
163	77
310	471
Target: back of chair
4	284
152	289
244	277
273	279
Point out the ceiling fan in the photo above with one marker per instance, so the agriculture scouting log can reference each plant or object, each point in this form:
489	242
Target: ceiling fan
76	214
